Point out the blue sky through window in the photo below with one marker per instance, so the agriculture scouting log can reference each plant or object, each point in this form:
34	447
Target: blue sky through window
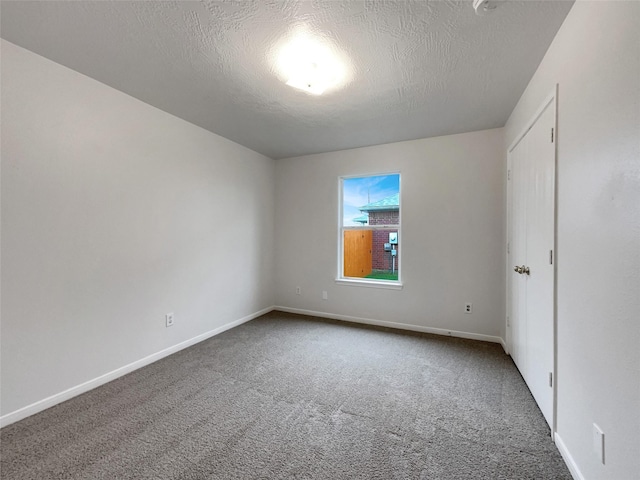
359	191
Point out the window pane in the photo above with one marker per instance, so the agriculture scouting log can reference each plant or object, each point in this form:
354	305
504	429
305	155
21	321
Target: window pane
371	200
371	253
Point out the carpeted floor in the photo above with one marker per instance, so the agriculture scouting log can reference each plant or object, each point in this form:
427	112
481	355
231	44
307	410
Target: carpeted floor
289	397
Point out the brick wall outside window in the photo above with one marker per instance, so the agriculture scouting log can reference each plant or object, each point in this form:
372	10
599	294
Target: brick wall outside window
381	259
388	217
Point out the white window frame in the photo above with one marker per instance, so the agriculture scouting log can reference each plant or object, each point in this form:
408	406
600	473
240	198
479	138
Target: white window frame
362	282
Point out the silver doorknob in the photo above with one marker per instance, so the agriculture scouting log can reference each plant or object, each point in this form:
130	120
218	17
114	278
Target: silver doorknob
525	270
517	269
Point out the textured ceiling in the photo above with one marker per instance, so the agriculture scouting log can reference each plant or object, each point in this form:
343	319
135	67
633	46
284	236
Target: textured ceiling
417	68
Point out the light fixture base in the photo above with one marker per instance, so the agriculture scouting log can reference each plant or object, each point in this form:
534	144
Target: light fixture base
484	7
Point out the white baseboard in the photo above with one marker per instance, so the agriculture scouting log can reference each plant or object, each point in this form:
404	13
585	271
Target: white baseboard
401	326
504	345
568	459
48	402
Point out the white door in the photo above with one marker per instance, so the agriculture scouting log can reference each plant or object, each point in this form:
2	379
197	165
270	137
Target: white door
532	244
519	251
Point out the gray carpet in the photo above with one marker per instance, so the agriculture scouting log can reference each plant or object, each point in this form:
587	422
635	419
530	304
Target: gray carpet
286	396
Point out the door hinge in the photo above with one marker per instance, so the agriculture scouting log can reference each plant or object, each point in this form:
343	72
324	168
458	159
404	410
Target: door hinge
508	247
551	379
551	135
508	174
550	257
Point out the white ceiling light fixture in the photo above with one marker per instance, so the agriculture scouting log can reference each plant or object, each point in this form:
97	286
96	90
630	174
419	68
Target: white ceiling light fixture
311	64
484	7
312	77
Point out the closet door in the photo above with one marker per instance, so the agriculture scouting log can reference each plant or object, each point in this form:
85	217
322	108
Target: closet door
540	214
519	252
532	237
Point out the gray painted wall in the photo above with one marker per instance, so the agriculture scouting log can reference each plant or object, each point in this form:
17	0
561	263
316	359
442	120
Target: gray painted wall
452	237
595	59
113	214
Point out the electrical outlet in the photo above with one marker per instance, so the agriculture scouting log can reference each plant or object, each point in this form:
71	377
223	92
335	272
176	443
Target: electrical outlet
468	307
169	319
325	296
298	291
598	442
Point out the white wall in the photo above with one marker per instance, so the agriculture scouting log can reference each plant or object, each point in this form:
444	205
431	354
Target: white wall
452	242
595	59
113	214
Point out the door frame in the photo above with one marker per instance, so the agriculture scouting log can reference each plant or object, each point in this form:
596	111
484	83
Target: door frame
552	101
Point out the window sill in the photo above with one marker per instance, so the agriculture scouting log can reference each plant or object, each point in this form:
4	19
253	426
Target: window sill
369	283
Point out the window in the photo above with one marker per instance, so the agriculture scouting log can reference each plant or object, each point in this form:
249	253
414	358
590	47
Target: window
370	230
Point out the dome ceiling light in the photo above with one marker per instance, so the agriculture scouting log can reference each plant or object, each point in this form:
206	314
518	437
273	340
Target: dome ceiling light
311	64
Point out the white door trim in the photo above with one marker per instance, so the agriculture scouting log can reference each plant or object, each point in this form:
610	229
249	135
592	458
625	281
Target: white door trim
551	98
